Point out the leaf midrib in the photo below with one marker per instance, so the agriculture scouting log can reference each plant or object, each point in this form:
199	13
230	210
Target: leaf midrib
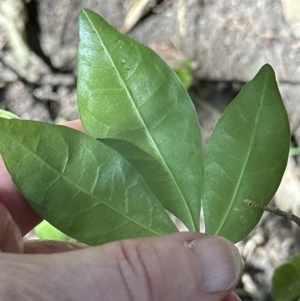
156	149
243	169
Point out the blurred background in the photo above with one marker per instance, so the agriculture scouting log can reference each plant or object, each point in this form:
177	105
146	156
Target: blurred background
214	46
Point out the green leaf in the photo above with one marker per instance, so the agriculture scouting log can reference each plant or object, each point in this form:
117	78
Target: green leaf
149	168
8	115
44	230
82	187
127	92
246	158
286	281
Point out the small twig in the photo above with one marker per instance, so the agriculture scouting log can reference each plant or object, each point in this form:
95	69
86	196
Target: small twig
292	217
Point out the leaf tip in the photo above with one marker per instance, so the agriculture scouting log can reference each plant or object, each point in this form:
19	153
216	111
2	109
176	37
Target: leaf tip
268	70
85	11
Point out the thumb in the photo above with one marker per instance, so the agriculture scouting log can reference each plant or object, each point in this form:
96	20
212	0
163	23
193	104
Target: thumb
181	266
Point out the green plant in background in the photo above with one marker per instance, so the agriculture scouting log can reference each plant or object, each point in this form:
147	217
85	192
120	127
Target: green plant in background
286	281
295	151
185	73
44	230
141	155
8	115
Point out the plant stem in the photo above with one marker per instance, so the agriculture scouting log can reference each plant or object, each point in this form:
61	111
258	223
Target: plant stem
292	217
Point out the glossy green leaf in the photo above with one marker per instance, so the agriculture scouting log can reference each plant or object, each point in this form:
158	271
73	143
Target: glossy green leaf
286	281
149	168
127	92
82	187
246	158
44	230
8	115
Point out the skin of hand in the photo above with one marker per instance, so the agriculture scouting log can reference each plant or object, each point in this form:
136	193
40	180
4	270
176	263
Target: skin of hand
182	266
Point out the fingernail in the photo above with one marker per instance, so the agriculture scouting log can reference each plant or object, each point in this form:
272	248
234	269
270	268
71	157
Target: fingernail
219	263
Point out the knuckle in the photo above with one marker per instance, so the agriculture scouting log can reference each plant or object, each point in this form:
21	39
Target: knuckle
140	269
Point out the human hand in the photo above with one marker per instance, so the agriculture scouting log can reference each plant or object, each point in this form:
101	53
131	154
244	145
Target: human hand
181	266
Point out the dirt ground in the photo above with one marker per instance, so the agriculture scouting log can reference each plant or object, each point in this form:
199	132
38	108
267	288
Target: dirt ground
227	43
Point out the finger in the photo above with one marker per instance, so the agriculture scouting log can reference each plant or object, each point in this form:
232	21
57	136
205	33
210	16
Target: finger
10	235
51	246
181	266
24	216
74	124
22	213
232	297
